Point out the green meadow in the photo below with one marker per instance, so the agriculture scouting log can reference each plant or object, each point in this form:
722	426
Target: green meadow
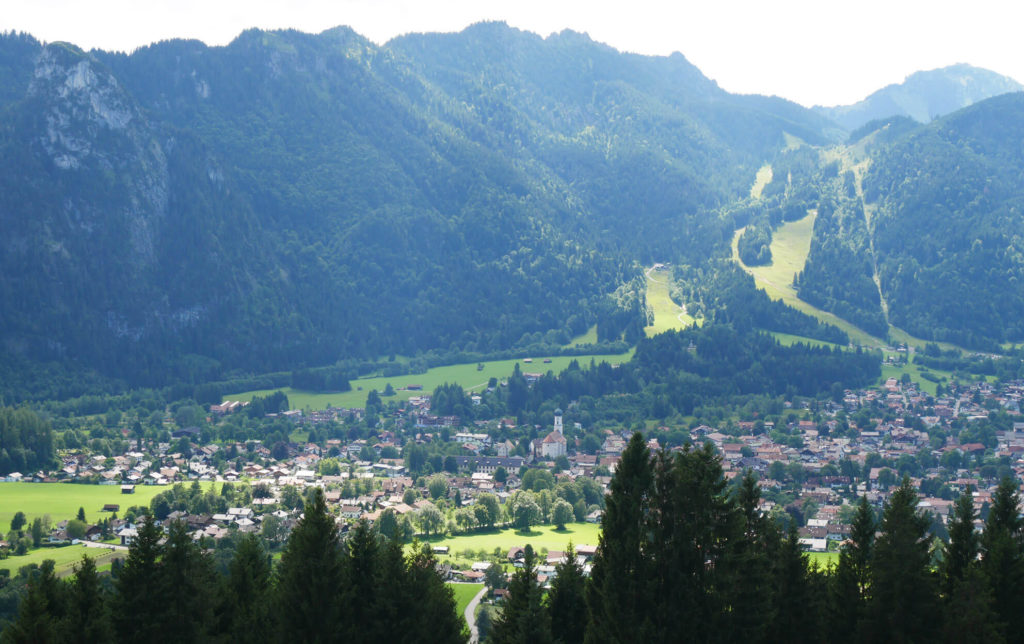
894	371
823	559
791	243
464	593
62	500
763	178
668	316
590	337
540	537
468	375
788	340
64	558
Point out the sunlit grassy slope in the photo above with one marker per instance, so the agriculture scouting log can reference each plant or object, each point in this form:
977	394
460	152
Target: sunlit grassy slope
467	375
668	316
764	177
790	245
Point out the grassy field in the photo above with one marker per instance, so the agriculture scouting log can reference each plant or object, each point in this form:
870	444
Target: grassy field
590	337
464	593
62	500
788	340
668	316
64	559
893	371
823	559
466	375
763	178
539	537
790	246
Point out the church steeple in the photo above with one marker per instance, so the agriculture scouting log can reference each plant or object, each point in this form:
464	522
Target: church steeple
558	421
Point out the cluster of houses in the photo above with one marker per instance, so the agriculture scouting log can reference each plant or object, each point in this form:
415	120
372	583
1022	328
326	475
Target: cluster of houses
747	445
546	566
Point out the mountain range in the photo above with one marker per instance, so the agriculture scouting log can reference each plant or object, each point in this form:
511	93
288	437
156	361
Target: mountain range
186	212
924	96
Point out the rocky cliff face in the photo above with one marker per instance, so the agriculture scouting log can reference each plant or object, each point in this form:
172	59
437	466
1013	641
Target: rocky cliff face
87	125
83	200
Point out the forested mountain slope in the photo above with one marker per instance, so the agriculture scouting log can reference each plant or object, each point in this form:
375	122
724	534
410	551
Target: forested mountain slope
293	199
949	225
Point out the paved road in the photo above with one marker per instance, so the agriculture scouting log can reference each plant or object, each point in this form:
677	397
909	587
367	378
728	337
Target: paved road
474	634
103	546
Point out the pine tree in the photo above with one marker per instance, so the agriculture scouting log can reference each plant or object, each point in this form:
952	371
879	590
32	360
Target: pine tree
87	619
1003	562
969	616
567	603
849	584
34	623
617	597
433	619
904	594
185	581
310	577
359	594
397	606
793	618
138	597
745	573
524	619
962	550
53	589
245	614
1005	511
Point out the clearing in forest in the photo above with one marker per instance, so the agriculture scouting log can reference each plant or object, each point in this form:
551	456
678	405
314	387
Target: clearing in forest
763	178
668	316
791	243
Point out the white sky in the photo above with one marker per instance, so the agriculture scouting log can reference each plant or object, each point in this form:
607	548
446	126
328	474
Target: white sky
810	51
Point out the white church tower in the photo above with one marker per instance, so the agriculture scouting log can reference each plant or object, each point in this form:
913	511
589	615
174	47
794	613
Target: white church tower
558	421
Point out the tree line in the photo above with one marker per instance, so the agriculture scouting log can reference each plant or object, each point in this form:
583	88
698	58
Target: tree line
26	441
680	545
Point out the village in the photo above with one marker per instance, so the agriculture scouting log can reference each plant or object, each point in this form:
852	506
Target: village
812	466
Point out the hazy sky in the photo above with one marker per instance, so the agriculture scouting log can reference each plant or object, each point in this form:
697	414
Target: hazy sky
810	51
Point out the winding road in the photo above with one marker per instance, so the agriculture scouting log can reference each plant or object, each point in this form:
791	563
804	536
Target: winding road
474	634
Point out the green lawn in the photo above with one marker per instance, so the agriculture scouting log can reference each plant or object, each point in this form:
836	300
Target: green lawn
466	375
823	559
668	316
539	537
64	559
62	500
464	593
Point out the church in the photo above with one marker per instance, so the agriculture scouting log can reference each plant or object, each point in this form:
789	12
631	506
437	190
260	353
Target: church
553	445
